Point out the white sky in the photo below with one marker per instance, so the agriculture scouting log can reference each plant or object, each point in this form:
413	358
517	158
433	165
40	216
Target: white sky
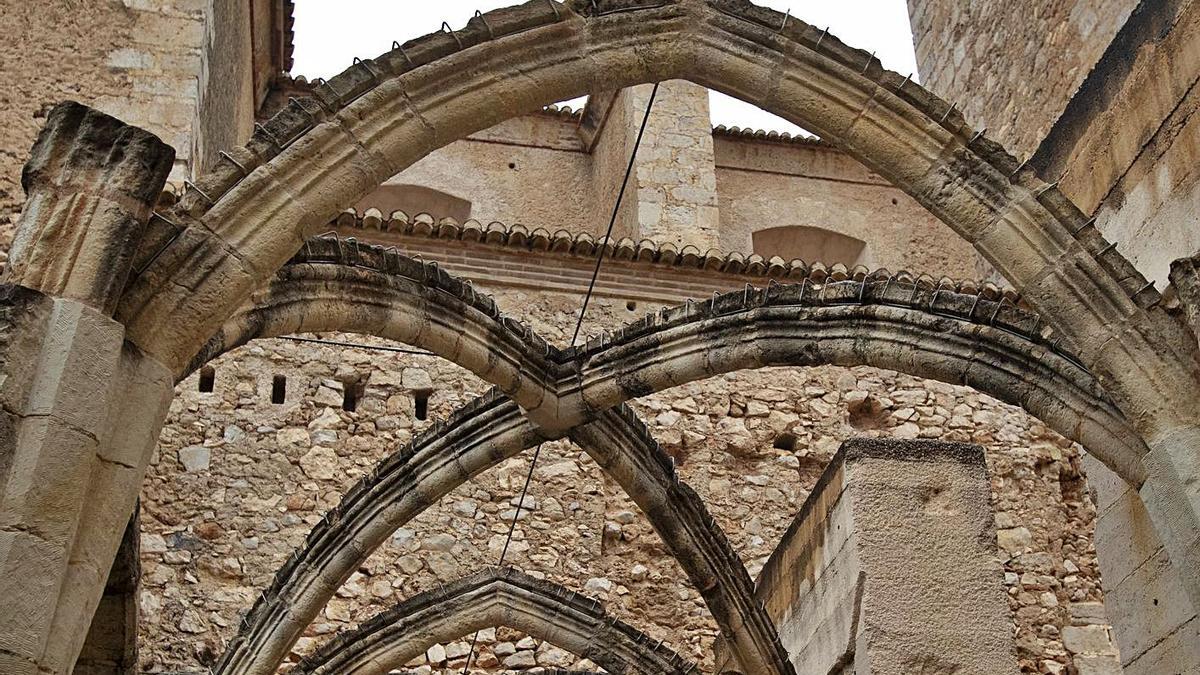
330	33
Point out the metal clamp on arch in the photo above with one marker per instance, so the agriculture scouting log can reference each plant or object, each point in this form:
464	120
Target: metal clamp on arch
949	112
365	66
178	233
187	184
867	65
258	127
1081	228
783	25
479	15
447	29
820	39
397	47
974	305
226	156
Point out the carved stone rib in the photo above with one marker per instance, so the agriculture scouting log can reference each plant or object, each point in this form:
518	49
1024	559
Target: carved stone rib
495	597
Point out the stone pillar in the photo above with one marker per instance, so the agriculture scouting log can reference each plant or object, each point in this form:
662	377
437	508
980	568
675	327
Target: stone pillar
891	566
672	193
111	644
1156	627
80	408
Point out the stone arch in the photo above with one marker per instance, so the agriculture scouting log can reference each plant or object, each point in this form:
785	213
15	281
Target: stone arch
942	331
230	232
245	218
477	437
497	597
339	285
899	324
919	330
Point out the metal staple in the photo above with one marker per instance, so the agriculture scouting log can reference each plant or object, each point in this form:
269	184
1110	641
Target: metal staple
479	15
1083	227
233	161
447	29
397	48
948	113
270	137
867	65
189	184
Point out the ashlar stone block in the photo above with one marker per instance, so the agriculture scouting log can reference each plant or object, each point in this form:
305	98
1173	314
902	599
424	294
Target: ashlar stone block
891	567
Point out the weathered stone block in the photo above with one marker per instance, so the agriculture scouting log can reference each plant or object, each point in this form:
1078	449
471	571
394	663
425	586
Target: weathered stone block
1086	640
1144	597
25	593
76	365
51	465
891	566
91	184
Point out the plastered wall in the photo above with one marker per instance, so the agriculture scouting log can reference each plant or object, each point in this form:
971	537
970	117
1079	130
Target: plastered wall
762	185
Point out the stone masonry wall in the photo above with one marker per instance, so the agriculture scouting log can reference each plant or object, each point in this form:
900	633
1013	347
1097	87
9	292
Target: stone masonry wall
237	482
227	97
1126	149
764	185
674	180
138	60
1012	71
45	75
518	171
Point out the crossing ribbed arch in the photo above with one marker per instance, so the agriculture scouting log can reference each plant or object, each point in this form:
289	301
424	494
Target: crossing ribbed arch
935	334
241	222
901	325
251	213
478	436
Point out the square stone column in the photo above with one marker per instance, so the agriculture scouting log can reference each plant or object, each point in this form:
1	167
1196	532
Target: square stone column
891	566
671	196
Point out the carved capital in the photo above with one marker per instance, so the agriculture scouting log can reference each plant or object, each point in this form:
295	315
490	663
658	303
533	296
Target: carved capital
91	183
